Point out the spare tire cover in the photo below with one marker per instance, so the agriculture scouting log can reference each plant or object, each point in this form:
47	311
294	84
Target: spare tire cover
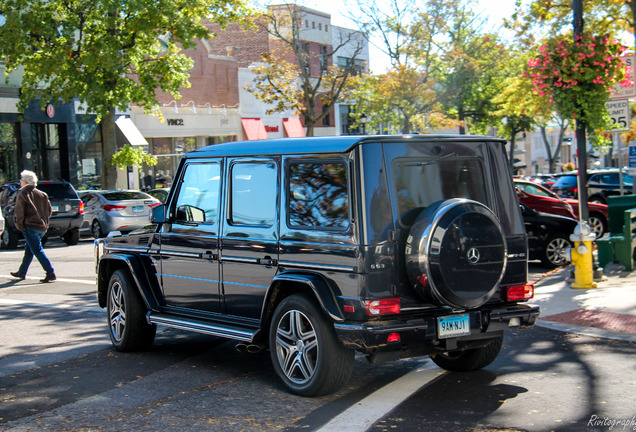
456	253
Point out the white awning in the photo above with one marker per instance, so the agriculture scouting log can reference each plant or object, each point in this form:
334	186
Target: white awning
130	131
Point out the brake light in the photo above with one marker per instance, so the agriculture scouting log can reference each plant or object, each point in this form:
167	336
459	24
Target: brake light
520	292
154	205
573	189
81	207
109	207
385	306
394	337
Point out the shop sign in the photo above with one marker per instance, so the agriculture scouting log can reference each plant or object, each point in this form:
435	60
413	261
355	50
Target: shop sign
175	122
50	111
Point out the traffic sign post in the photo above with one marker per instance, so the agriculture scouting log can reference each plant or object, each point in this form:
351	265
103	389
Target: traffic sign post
620	115
627	88
632	160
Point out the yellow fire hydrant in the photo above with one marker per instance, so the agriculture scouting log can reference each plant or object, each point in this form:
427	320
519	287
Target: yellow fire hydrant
581	256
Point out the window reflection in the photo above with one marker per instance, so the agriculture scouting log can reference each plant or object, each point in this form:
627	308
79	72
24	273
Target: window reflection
254	188
421	183
198	199
318	195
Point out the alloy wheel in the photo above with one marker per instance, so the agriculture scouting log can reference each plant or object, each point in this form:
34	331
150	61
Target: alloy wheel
117	311
555	250
296	346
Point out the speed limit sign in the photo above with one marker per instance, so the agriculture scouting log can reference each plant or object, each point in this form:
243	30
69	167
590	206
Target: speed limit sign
618	111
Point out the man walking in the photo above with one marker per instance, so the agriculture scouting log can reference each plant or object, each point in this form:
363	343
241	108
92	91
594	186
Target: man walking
31	216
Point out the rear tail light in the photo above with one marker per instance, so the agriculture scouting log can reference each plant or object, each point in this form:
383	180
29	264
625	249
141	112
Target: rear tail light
520	292
573	189
154	205
109	207
394	337
385	306
81	207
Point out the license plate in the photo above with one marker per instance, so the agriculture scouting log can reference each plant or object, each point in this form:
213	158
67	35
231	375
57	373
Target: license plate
138	209
55	208
453	326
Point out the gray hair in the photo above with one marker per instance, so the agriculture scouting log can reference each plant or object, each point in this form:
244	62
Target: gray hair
29	177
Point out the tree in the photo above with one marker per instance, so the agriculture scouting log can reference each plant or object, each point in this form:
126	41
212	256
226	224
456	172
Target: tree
406	96
540	18
301	76
472	70
517	111
106	54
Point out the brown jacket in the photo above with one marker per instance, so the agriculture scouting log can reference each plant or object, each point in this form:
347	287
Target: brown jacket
32	209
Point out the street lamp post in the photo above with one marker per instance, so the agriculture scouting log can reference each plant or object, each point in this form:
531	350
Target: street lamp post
363	122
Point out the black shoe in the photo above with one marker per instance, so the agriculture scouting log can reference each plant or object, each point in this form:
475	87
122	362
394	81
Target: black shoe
18	275
49	278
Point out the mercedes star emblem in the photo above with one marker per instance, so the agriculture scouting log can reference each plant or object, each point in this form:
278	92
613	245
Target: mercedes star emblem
473	255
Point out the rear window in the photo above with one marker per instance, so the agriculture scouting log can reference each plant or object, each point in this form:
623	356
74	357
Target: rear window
125	195
58	190
565	181
420	183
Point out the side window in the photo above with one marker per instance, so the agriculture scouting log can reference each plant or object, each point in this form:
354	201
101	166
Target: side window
318	195
253	194
198	200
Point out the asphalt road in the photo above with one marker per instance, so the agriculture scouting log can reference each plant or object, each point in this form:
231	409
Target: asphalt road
58	372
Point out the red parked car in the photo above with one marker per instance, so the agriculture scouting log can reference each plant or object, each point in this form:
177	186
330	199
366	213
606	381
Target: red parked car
542	199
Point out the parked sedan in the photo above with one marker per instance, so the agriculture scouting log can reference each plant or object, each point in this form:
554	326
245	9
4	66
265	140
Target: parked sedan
116	210
161	193
542	199
548	236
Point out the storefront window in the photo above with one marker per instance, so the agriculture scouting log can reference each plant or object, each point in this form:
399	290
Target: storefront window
8	153
46	150
89	155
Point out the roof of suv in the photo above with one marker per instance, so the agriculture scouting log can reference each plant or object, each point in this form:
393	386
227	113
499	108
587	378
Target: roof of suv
329	144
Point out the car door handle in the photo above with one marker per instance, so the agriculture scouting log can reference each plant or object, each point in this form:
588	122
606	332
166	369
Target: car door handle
267	261
208	255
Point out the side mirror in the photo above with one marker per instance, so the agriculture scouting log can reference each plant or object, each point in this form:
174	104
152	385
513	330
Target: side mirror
158	214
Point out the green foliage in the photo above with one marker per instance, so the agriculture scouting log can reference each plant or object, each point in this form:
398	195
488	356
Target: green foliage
105	53
132	156
577	76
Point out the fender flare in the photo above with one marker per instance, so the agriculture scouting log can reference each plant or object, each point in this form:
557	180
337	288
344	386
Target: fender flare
322	289
147	285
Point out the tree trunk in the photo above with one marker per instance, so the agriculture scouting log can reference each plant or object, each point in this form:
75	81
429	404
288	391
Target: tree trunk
461	117
109	142
546	144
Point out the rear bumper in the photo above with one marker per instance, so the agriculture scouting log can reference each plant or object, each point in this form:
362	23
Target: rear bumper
59	226
421	333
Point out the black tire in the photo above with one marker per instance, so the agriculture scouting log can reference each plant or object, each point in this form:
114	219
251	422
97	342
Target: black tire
552	254
71	237
599	199
10	239
305	350
96	230
127	325
470	359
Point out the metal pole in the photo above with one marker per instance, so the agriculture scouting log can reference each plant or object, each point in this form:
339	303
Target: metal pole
581	142
617	139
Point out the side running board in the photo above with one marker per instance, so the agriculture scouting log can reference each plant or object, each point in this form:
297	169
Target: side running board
230	332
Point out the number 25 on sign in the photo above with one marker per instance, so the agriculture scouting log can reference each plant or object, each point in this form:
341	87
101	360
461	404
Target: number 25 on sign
618	111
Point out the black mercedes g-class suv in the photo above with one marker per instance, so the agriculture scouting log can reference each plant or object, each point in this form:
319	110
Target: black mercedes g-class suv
394	246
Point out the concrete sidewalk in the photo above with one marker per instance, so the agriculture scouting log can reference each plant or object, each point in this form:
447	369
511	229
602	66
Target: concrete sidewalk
608	311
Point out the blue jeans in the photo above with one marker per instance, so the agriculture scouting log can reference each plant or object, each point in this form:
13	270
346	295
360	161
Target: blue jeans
33	247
